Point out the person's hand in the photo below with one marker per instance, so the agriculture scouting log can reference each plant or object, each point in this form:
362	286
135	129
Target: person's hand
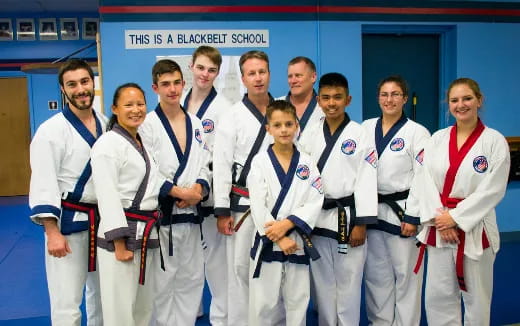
450	235
287	245
225	225
57	244
191	196
358	235
444	221
275	230
182	204
408	230
122	254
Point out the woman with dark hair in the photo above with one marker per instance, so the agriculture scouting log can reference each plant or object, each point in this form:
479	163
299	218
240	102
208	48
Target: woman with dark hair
393	292
127	185
464	178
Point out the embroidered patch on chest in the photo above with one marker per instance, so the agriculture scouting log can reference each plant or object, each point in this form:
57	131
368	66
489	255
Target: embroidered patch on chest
480	164
397	144
197	135
420	157
316	184
208	125
302	172
348	147
372	159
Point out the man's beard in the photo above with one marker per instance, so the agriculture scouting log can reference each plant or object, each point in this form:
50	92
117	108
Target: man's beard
78	105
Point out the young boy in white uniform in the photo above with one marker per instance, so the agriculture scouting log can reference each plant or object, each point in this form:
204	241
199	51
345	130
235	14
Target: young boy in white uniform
286	198
240	135
203	101
62	197
347	163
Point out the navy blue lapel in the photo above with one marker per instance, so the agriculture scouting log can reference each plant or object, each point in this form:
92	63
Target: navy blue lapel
205	104
308	111
181	157
382	142
80	127
83	131
330	140
284	179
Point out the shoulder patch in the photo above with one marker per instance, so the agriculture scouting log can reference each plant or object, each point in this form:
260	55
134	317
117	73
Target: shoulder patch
302	172
480	164
348	147
372	159
420	157
208	125
397	144
197	136
318	185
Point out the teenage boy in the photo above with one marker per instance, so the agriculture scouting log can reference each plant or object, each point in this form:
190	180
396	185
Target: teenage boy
347	163
286	197
203	101
240	135
176	140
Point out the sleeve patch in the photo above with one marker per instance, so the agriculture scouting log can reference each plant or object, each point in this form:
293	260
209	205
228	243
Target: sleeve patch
372	159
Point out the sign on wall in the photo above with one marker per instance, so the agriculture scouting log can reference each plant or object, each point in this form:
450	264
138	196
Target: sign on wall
154	39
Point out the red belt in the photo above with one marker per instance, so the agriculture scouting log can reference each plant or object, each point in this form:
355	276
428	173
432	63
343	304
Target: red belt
150	218
91	210
459	263
240	191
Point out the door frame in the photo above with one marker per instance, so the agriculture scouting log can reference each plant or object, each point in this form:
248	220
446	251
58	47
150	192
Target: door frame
447	55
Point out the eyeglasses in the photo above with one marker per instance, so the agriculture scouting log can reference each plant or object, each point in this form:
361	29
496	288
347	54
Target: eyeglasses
393	95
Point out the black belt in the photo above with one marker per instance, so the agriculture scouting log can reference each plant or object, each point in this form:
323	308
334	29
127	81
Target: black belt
151	218
391	200
93	222
343	231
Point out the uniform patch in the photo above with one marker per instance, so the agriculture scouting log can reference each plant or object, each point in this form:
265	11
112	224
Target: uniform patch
348	147
318	185
197	135
420	157
208	125
397	144
372	159
302	172
480	164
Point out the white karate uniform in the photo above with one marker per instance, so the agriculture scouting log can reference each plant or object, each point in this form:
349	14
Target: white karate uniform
392	290
215	268
350	169
297	195
179	289
123	179
59	154
481	183
236	133
312	115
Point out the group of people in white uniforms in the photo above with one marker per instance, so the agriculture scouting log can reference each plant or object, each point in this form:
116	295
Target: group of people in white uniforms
357	165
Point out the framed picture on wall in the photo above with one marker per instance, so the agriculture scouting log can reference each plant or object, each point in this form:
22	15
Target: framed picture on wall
25	30
6	29
90	28
48	30
69	29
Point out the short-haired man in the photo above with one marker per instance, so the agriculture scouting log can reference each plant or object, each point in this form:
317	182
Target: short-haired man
208	105
176	140
62	197
301	76
240	135
347	161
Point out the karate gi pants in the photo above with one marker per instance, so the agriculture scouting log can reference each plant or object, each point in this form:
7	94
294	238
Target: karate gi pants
66	280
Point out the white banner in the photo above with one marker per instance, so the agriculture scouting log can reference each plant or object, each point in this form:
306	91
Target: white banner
163	39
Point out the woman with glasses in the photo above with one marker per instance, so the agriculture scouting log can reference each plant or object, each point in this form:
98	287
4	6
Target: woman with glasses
393	291
464	177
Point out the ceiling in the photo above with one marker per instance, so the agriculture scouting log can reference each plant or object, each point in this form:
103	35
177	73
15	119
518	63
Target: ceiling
37	7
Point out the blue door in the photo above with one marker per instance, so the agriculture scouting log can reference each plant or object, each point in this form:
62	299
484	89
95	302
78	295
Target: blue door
413	56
